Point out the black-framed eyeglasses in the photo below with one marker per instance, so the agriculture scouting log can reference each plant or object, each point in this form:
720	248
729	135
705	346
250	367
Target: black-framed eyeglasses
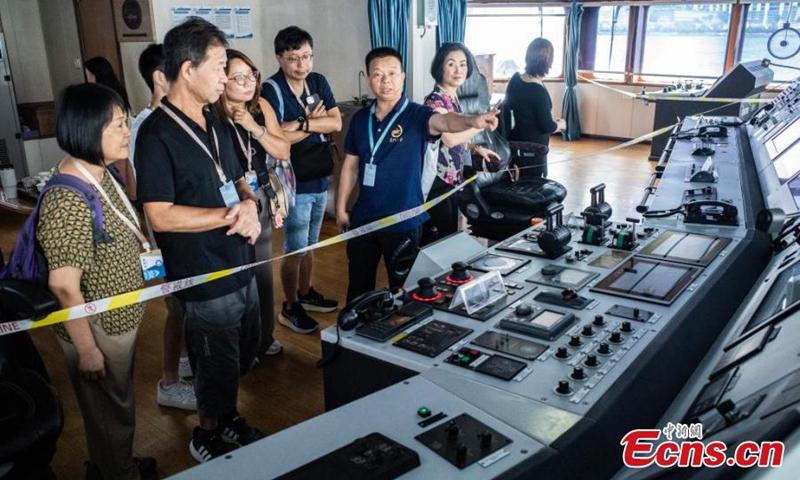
242	79
299	60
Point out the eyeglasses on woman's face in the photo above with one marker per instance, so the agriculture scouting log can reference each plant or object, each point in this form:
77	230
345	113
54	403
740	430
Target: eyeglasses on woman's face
244	78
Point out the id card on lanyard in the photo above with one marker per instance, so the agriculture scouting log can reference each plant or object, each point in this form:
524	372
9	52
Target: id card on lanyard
151	260
228	191
250	175
370	169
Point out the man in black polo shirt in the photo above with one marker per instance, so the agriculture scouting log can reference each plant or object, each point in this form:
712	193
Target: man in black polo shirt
205	217
385	147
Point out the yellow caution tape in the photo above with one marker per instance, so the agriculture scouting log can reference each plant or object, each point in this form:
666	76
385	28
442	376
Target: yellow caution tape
149	293
679	98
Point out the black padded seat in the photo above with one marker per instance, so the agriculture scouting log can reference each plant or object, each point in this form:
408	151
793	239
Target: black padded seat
526	194
496	207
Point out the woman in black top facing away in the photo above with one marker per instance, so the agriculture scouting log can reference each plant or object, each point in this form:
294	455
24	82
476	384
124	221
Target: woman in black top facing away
528	106
256	133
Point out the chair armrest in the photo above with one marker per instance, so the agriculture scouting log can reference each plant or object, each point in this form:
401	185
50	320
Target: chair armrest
20	300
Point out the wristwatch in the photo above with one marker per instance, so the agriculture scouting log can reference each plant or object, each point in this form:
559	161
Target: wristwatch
302	121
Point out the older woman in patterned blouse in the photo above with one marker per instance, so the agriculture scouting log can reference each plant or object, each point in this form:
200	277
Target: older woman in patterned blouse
92	127
451	66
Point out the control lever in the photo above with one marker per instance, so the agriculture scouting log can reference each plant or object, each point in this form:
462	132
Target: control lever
596	217
556	235
625	238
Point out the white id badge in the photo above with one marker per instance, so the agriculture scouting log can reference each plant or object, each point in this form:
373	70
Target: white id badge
251	178
152	265
229	194
370	170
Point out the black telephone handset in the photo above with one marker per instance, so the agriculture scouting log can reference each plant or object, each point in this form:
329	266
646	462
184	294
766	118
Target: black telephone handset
371	302
712	131
711	212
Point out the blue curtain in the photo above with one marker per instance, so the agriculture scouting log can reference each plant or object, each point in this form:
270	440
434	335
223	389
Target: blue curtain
452	21
388	25
569	109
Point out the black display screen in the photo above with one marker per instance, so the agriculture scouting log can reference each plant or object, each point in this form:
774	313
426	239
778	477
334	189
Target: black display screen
794	190
649	280
684	247
785	292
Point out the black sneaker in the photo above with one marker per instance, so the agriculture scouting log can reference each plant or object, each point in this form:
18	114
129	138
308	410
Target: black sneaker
315	302
297	319
236	430
207	445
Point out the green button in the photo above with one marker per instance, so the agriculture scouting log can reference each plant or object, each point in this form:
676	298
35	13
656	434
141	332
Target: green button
424	412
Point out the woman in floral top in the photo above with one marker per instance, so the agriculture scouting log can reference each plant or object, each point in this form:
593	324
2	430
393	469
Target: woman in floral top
92	127
451	66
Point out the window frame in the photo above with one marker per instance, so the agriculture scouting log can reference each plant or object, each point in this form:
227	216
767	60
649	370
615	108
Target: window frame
512	4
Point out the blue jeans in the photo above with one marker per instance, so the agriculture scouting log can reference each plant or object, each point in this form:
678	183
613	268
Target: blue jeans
304	222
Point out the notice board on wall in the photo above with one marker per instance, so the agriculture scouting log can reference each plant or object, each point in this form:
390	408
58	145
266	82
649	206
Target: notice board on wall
234	21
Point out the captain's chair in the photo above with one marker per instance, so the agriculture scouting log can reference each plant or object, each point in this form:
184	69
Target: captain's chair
31	419
495	205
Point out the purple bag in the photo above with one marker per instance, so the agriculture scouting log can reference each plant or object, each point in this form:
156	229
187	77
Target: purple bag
27	262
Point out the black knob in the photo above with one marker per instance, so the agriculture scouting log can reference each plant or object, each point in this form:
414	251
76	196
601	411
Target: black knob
615	337
461	454
549	270
459	271
587	331
591	361
561	352
523	310
575	341
486	438
599	320
604	349
426	288
578	373
636	313
452	429
626	327
563	387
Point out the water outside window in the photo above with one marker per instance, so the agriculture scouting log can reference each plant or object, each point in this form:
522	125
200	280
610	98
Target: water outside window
507	31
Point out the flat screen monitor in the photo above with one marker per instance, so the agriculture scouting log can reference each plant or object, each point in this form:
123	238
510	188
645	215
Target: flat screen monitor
783	139
794	190
784	293
788	164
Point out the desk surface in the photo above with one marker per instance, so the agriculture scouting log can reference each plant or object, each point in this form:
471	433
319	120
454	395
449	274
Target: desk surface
22	206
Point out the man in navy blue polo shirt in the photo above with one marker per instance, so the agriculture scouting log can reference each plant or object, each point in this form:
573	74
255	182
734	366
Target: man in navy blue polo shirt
305	106
385	148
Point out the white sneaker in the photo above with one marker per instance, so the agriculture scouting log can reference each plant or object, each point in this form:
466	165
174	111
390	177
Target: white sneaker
274	349
185	368
178	395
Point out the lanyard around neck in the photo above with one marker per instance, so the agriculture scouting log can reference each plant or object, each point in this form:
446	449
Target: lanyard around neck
306	92
190	132
137	228
246	149
373	147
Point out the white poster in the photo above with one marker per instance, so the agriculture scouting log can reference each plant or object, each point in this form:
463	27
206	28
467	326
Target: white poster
223	19
179	14
206	13
243	22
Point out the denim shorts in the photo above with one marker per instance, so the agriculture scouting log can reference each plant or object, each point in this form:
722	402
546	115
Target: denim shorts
304	222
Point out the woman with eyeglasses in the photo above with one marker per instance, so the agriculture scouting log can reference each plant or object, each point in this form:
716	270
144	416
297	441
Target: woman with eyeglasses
256	134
